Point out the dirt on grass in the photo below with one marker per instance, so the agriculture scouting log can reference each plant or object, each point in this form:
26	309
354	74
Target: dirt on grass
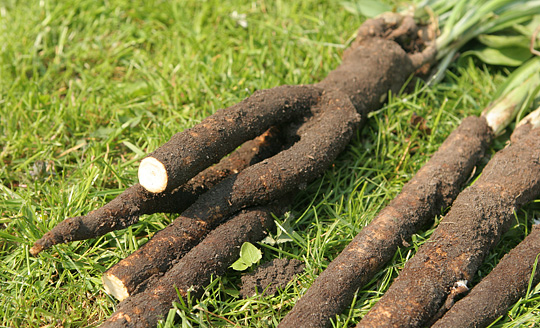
270	276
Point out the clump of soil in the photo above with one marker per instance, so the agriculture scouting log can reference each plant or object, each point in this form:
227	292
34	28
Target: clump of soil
267	278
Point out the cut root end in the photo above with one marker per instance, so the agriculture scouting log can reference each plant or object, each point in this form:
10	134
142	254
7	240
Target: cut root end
115	287
36	249
153	175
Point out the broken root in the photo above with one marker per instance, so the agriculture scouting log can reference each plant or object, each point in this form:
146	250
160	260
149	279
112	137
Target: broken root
193	271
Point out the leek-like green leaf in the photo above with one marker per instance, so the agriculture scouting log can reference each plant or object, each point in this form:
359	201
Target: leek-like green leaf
461	21
507	56
504	41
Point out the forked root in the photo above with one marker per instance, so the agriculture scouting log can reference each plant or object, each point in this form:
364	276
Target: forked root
135	201
183	156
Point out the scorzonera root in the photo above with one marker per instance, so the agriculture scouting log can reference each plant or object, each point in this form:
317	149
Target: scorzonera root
135	201
432	189
501	288
372	67
474	224
321	140
187	152
210	258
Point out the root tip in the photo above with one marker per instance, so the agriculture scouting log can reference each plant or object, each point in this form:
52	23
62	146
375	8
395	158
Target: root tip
36	249
153	175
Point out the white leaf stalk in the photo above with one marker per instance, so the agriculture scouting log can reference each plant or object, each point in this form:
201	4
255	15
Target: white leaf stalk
533	119
514	97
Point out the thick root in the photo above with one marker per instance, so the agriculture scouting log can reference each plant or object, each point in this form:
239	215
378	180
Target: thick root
376	64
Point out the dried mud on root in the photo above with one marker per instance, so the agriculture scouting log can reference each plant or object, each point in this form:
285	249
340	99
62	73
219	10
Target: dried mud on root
474	224
210	258
433	188
270	276
187	152
373	69
135	201
326	136
501	288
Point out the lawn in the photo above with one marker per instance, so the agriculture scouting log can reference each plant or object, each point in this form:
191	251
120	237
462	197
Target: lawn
87	88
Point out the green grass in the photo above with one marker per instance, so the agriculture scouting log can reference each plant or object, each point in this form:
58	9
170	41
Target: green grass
88	87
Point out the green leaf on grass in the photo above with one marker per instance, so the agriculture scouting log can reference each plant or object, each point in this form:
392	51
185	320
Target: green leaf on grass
367	8
249	255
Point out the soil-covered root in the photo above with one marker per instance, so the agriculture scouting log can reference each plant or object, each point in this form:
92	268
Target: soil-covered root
366	76
135	201
321	140
369	72
433	188
183	156
501	288
474	224
210	258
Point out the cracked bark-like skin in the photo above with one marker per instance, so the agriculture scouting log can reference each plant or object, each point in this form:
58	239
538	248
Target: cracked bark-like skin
500	289
325	137
135	201
474	224
194	270
432	189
